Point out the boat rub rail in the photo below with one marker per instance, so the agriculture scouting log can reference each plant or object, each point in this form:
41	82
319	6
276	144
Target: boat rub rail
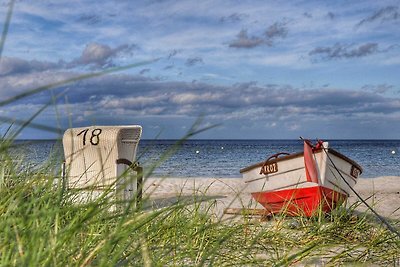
300	154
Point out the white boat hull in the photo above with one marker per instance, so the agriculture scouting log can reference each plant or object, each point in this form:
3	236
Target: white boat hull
288	174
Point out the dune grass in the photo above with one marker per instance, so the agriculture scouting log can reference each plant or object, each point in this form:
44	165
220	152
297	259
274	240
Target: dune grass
42	227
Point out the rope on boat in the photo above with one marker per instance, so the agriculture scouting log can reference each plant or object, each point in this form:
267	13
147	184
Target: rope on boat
388	225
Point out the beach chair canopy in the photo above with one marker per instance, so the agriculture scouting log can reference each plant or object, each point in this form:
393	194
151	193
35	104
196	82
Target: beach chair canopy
96	155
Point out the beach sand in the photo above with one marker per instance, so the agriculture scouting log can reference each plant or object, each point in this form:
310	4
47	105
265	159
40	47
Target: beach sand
383	193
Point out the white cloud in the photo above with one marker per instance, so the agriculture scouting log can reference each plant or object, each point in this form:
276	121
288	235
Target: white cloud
291	60
136	102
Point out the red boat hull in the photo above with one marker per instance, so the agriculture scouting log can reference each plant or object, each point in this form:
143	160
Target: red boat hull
307	201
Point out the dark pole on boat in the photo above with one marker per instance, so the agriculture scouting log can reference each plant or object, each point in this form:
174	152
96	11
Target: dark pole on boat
388	225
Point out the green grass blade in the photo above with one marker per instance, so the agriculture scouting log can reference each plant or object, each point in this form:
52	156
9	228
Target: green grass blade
6	27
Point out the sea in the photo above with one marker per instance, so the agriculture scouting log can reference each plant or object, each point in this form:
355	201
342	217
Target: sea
224	158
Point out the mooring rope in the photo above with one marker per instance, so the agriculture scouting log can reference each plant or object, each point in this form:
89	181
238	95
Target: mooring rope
388	225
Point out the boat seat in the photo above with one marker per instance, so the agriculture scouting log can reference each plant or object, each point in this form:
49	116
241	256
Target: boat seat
99	158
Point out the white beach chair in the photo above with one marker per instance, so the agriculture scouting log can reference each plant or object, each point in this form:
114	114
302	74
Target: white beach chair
98	158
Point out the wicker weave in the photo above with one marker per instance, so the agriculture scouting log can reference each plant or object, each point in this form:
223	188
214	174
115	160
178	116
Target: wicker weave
91	155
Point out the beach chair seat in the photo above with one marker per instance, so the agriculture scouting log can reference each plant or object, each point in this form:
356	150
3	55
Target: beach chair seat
99	158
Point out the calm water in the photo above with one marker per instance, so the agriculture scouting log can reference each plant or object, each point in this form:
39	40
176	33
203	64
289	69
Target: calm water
224	158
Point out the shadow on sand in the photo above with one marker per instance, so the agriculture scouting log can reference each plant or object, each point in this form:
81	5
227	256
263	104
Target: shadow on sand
162	202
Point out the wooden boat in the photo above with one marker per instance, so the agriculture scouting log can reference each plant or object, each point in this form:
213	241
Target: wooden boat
305	183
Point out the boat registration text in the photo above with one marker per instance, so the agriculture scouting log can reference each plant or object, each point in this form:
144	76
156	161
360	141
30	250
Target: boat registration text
269	168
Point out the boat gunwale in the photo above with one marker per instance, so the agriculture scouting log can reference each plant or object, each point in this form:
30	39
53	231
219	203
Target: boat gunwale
301	154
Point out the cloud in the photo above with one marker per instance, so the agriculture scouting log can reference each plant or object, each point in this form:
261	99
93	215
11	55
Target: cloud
235	17
227	39
22	82
341	51
273	32
378	89
94	55
173	53
276	30
18	75
90	19
331	15
142	99
12	66
190	62
142	93
152	97
100	55
143	71
244	41
389	13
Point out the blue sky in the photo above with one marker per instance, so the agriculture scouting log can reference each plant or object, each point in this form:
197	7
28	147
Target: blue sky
259	69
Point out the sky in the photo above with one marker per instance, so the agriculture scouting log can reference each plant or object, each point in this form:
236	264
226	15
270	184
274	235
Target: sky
254	69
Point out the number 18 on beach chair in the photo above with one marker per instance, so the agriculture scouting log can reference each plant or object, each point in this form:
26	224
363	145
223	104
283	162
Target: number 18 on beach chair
101	158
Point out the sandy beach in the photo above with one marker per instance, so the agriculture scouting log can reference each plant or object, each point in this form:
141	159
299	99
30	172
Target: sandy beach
383	193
